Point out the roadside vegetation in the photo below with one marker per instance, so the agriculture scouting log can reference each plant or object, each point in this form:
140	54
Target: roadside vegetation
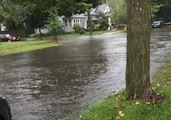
116	107
94	32
86	33
7	48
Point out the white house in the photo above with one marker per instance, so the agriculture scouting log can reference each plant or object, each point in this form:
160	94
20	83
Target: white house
101	11
104	11
77	19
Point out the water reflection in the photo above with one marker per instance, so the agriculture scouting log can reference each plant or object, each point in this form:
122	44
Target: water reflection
59	81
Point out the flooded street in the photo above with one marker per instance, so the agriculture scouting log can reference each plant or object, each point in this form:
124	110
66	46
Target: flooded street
54	83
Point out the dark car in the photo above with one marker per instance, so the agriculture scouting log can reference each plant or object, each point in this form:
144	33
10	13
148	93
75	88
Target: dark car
8	37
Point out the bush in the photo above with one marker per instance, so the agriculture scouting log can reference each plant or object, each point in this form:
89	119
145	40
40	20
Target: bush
103	24
97	27
79	29
82	31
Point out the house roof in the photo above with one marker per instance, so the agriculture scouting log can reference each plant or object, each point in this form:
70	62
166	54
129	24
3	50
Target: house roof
108	14
101	8
79	16
94	18
93	11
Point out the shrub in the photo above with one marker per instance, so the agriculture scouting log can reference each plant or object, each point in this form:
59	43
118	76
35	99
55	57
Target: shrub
103	24
82	31
97	27
79	29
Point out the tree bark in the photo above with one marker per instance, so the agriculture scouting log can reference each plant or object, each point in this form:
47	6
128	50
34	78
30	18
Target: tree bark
40	32
90	23
138	84
56	38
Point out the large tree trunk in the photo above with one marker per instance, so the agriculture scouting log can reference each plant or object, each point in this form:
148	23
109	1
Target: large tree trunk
138	49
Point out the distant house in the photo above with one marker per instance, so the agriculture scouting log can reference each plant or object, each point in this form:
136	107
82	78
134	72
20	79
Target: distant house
77	19
101	11
96	14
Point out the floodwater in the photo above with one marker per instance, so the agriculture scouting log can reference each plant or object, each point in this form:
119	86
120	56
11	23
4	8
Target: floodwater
57	82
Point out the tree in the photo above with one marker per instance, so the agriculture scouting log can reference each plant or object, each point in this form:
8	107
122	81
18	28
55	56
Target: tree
37	13
161	9
138	84
103	24
54	24
118	11
11	14
68	7
90	4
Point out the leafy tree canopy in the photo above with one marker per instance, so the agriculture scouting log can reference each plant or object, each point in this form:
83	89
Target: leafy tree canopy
35	13
161	9
11	14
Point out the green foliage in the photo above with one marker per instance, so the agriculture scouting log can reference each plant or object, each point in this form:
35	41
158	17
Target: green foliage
161	9
94	2
97	27
35	13
68	7
155	8
91	25
54	25
82	7
79	29
11	14
103	24
118	11
82	31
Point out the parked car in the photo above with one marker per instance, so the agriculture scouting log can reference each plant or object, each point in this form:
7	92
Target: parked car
156	24
167	23
8	37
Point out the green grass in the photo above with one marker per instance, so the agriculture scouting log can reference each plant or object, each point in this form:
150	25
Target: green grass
7	48
116	107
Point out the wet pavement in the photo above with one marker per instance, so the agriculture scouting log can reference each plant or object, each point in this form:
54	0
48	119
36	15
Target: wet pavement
54	83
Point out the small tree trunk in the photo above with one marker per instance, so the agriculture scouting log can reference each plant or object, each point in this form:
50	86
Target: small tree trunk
56	38
40	32
138	84
90	23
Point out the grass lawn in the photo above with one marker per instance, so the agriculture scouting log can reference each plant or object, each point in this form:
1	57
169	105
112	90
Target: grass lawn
116	107
7	48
